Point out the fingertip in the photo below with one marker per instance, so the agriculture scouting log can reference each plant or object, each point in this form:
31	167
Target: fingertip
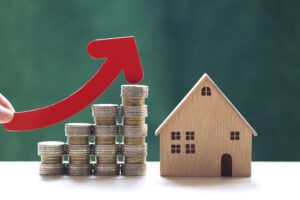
10	116
6	115
5	103
12	109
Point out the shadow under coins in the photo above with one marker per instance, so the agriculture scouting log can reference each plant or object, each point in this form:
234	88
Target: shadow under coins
106	180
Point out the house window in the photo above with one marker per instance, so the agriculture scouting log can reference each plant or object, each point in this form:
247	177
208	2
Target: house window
234	135
190	135
190	149
175	135
206	91
175	148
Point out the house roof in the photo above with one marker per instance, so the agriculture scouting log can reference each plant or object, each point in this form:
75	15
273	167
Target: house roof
204	77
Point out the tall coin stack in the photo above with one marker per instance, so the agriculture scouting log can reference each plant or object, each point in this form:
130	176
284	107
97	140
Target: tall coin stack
51	158
106	132
78	149
134	129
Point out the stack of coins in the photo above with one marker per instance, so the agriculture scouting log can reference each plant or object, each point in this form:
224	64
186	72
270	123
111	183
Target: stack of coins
51	158
78	149
106	132
134	129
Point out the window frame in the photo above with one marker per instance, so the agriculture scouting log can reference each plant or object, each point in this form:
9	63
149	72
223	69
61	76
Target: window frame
175	135
190	149
235	135
175	148
190	135
206	91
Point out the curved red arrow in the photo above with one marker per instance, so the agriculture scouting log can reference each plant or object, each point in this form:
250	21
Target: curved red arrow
120	53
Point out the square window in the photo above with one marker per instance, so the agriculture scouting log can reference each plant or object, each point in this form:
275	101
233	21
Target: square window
175	148
190	135
234	135
190	148
175	135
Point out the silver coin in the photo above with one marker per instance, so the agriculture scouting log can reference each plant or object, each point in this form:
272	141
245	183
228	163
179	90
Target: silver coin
107	169
134	111
134	91
133	169
79	170
106	130
105	110
134	150
51	169
106	150
78	129
53	148
79	149
134	130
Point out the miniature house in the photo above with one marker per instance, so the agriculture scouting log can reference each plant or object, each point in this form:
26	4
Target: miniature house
205	135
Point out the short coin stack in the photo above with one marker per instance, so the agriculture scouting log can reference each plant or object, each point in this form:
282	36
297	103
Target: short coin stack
134	129
51	158
106	132
78	149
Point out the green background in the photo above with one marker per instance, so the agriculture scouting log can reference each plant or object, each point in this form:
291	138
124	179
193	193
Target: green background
250	48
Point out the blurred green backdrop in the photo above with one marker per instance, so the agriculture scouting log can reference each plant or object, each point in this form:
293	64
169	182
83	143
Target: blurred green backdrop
250	48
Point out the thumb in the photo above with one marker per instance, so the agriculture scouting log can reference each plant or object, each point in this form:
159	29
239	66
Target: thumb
6	115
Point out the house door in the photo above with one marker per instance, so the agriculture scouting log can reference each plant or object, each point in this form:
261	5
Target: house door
226	165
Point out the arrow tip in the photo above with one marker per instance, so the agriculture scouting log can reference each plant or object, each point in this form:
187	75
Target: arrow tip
122	52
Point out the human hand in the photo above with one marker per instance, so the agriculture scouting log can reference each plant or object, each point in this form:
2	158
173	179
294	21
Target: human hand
6	110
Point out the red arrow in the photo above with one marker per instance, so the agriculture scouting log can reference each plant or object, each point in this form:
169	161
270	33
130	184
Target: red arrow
120	53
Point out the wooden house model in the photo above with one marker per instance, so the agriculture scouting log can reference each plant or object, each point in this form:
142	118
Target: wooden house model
205	135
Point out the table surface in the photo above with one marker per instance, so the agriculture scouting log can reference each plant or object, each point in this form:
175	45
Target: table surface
269	179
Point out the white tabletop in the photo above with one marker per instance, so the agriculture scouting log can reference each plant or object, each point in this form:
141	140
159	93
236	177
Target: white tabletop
269	179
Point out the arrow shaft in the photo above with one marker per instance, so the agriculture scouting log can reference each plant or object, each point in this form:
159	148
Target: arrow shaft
33	119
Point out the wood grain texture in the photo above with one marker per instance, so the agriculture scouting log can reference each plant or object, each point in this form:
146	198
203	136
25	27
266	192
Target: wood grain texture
212	118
